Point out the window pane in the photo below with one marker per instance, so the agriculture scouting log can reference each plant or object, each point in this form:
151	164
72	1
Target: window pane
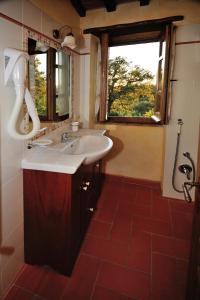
62	79
38	81
132	80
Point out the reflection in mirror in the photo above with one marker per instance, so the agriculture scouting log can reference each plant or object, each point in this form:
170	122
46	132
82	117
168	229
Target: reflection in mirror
49	81
38	82
62	80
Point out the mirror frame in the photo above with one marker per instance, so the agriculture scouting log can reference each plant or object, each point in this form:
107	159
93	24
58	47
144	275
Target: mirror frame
51	99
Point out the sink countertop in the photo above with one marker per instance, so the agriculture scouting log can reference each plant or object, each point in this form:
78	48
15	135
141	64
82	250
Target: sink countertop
45	159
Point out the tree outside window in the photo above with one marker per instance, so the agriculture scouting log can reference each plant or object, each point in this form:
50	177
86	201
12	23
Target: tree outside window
131	90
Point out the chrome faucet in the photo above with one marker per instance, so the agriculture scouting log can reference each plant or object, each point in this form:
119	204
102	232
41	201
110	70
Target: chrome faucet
185	169
65	137
187	186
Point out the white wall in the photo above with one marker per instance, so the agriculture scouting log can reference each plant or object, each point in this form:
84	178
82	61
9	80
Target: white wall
186	105
130	139
11	212
132	12
11	177
88	71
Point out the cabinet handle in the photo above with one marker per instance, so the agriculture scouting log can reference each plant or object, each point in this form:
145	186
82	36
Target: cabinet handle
85	188
87	183
90	209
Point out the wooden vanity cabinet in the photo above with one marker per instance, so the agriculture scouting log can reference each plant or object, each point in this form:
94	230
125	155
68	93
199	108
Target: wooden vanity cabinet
57	211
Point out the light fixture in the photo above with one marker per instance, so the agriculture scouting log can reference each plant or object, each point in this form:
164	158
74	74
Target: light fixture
67	37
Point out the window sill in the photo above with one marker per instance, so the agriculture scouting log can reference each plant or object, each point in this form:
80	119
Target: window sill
133	121
56	119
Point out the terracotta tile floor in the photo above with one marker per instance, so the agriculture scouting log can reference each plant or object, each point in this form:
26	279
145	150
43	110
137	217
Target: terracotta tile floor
137	247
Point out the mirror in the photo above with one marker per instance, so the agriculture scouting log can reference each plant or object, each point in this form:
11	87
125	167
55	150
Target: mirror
49	81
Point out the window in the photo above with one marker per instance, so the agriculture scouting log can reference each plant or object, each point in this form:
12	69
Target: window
38	82
49	81
62	83
132	80
135	74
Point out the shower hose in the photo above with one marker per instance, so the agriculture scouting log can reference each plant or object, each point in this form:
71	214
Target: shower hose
186	154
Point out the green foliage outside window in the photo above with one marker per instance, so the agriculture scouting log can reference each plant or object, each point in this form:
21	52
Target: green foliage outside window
40	89
131	92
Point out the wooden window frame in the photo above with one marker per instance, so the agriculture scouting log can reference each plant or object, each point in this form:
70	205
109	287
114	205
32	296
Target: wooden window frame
51	89
161	82
51	114
56	117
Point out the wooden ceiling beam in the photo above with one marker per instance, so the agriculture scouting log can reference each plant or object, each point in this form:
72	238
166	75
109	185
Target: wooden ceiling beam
110	5
121	29
77	4
144	2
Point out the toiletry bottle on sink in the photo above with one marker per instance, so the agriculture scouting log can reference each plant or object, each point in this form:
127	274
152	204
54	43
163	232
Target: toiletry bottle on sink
75	126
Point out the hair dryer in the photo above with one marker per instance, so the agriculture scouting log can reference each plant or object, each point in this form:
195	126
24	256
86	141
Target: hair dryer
15	70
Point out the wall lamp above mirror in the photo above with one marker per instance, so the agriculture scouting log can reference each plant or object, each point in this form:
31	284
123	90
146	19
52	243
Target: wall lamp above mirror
66	36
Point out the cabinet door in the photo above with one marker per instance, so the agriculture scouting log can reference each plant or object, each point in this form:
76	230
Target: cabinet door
97	182
77	209
87	206
86	197
57	211
88	189
47	219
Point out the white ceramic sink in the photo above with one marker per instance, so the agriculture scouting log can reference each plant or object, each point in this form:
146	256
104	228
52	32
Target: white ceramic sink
87	147
93	147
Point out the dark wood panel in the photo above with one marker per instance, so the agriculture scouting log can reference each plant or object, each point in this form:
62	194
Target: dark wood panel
78	5
46	218
193	287
104	76
57	211
82	6
193	282
121	29
110	5
144	2
131	38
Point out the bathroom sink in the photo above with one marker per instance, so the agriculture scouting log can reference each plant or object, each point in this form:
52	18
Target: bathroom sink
93	147
84	147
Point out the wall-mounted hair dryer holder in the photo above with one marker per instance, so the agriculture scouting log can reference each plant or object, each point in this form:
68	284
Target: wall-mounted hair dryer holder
15	70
